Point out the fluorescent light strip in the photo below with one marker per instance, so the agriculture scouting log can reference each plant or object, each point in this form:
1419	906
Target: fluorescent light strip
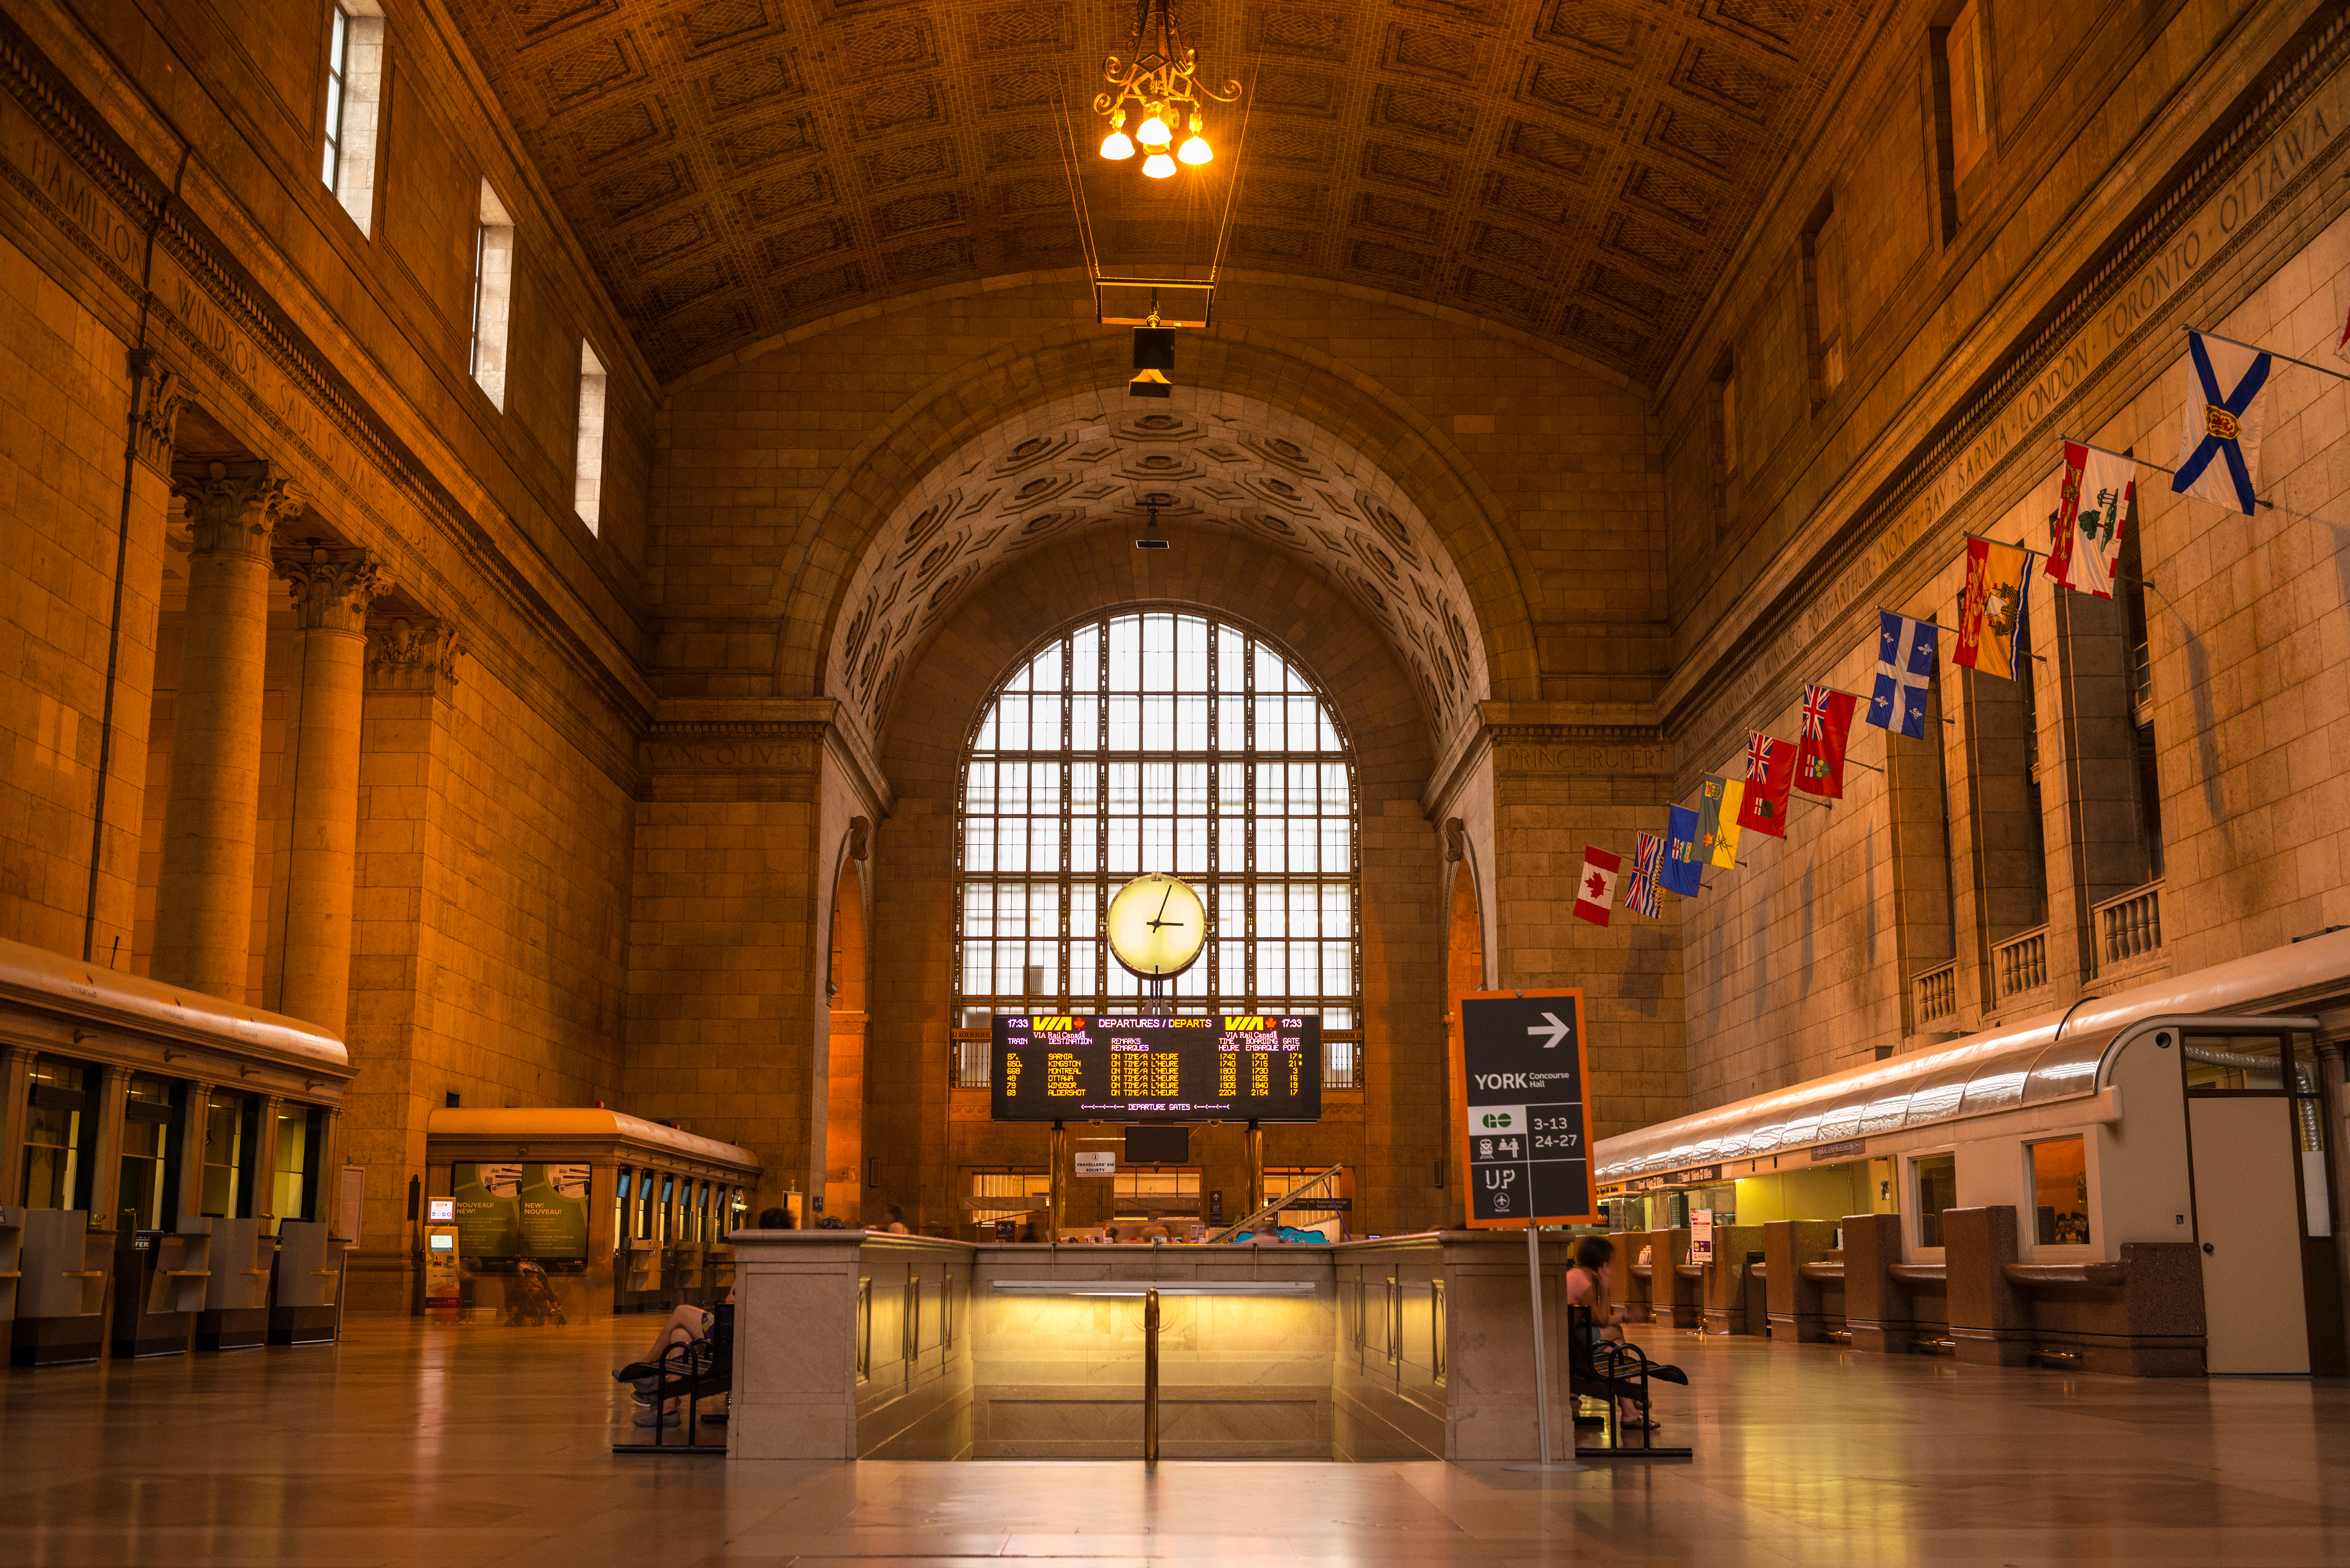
1138	1288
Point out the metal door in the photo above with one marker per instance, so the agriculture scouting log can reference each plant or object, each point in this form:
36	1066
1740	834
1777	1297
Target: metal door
2248	1216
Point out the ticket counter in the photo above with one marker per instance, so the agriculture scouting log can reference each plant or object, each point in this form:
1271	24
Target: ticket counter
614	1214
137	1122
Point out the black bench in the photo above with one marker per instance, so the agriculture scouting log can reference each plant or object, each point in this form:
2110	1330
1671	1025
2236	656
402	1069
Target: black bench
692	1371
1611	1371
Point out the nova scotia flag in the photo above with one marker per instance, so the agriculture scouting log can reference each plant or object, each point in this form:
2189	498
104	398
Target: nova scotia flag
2220	437
1905	671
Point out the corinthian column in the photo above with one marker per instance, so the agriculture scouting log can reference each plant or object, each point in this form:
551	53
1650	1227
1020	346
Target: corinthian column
332	590
203	892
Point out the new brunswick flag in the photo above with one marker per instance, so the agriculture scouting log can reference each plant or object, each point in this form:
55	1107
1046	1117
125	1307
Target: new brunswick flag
1991	637
1770	771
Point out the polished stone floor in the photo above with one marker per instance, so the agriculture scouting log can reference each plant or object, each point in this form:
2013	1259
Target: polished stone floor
457	1447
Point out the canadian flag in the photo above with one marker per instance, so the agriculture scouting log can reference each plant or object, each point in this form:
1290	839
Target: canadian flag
1595	893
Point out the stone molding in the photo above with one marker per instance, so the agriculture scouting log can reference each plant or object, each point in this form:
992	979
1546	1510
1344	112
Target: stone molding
156	418
763	748
332	589
234	509
413	653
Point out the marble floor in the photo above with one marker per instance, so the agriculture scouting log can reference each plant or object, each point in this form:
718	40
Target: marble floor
458	1446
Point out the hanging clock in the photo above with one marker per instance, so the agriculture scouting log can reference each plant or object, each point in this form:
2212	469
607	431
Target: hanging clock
1157	926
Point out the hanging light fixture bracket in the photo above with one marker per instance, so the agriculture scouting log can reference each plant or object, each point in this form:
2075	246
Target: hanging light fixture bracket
1160	82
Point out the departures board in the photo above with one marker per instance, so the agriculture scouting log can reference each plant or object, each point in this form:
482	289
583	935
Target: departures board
1114	1067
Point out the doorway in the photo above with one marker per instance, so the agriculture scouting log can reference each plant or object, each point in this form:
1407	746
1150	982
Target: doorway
844	1131
2251	1109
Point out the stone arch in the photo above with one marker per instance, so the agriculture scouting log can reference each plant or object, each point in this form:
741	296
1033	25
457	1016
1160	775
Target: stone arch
865	493
922	1144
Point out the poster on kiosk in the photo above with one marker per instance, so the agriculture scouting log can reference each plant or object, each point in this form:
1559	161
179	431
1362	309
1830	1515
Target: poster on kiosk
1519	1068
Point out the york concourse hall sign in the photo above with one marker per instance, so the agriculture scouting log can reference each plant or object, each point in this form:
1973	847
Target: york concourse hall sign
1518	1075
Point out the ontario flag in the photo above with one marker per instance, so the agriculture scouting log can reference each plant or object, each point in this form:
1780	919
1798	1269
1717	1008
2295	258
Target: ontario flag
1770	771
1595	891
1819	761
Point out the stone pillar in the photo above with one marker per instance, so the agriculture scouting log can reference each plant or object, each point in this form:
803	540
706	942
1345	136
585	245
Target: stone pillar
203	892
122	792
16	1085
332	590
199	1101
265	1163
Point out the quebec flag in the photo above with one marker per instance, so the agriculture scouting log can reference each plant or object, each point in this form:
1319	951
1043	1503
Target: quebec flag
2220	435
1905	671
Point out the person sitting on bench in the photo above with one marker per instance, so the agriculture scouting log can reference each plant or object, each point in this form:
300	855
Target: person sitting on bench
710	1334
1589	1284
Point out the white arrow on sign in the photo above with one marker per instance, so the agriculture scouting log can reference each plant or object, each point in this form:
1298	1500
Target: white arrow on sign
1556	1030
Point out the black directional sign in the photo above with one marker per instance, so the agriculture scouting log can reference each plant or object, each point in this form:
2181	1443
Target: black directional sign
1518	1075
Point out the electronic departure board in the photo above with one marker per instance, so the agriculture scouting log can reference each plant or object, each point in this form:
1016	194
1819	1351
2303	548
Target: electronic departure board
1114	1067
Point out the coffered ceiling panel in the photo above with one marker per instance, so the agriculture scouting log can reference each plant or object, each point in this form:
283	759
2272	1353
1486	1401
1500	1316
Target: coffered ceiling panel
1579	168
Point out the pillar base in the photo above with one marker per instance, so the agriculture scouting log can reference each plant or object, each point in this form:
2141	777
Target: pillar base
1993	1346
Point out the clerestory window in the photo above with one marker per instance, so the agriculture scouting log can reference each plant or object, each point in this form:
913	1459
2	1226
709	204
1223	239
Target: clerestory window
1159	741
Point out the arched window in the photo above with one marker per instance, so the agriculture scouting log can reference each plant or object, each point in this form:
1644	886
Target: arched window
1158	741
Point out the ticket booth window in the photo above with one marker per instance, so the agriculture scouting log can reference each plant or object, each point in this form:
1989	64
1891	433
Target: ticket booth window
668	1211
1935	1180
149	1116
228	1177
701	1224
739	1208
644	1230
1159	1193
2060	1193
620	1208
292	1185
57	1129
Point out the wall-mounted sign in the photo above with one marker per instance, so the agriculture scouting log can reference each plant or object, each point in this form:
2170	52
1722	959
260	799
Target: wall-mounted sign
520	1210
1700	1235
1122	1068
1849	1148
1697	1178
1096	1162
1518	1072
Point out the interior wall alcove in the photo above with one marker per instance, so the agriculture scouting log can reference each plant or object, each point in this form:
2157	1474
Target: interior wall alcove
922	1134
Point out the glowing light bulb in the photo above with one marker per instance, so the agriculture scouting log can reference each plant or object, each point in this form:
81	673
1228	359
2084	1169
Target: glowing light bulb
1158	166
1195	151
1117	146
1153	133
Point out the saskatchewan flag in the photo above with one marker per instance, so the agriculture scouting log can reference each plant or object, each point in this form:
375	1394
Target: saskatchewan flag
1716	819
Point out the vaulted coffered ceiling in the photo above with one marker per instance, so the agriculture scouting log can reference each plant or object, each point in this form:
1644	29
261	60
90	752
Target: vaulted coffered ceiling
1578	169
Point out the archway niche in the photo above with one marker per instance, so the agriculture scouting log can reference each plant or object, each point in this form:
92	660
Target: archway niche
844	1135
1464	971
925	1135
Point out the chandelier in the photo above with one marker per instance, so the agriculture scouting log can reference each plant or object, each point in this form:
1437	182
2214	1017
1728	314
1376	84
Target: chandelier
1159	81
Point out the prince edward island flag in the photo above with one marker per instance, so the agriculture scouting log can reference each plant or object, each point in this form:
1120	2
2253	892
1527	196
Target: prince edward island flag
2219	436
1905	671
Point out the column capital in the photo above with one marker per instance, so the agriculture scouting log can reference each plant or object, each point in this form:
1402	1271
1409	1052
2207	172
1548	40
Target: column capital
413	653
332	587
234	508
155	420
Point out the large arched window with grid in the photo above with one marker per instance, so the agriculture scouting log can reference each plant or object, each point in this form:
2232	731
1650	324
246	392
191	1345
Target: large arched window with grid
1158	741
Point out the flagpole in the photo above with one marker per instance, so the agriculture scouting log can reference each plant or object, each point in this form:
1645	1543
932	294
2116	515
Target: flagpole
2157	468
2199	332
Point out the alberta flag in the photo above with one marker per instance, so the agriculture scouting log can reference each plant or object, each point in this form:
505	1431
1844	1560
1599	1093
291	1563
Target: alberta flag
2220	434
1905	671
1595	891
1685	858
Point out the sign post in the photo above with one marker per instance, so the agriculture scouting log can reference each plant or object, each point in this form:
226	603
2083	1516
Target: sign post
1524	1133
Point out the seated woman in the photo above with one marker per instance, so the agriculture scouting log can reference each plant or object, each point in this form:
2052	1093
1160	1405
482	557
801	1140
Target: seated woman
1590	1283
709	1330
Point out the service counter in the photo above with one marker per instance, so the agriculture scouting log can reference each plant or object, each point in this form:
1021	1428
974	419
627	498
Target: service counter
615	1214
857	1344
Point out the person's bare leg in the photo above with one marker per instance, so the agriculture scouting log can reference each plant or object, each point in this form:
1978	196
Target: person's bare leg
684	1323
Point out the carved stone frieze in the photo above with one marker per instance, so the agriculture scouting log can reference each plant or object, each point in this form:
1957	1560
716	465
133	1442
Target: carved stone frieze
161	391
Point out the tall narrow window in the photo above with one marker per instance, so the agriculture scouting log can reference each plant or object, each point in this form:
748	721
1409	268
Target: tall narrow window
494	248
587	458
354	103
1963	48
1172	742
1822	279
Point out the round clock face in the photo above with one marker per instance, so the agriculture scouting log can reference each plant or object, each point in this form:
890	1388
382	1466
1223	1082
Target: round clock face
1157	925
